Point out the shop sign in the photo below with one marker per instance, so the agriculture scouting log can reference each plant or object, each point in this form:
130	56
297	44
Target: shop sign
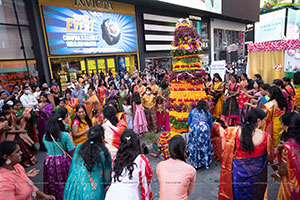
270	26
98	4
74	31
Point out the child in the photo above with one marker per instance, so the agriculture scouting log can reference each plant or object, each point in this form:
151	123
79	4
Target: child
160	113
128	113
95	118
139	123
61	104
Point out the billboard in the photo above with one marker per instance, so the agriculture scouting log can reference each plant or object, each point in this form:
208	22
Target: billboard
74	31
270	26
293	24
214	6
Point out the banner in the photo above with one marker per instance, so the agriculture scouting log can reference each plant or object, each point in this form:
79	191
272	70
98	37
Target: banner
214	6
74	31
218	67
270	26
292	60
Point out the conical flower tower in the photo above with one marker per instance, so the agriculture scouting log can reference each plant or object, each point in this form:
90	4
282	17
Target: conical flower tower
187	86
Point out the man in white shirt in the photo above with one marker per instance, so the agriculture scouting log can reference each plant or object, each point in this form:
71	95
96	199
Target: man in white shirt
28	100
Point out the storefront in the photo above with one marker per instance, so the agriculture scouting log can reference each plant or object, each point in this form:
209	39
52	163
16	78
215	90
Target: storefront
88	37
17	59
156	32
228	40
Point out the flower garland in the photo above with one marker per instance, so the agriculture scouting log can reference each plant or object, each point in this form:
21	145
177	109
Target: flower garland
178	124
186	56
274	46
187	89
188	76
277	67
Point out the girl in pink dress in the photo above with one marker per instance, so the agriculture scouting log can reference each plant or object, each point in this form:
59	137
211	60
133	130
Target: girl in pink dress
139	123
160	113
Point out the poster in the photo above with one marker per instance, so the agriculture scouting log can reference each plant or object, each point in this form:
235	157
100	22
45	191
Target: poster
292	60
293	24
218	67
270	26
214	6
74	31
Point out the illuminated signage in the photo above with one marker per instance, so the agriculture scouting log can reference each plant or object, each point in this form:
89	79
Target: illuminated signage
94	4
74	31
214	6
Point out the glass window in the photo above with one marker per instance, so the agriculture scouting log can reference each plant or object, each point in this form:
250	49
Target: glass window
7	14
27	42
22	16
228	45
10	44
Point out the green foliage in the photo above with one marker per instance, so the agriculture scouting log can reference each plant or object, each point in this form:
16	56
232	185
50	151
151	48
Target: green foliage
151	137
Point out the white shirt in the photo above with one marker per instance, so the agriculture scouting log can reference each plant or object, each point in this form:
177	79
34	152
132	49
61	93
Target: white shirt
28	101
37	94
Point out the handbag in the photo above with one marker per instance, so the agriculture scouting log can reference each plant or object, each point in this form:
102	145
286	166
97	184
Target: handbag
65	153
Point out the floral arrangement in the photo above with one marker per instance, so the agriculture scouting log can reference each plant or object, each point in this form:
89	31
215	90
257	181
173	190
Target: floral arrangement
187	76
274	46
277	67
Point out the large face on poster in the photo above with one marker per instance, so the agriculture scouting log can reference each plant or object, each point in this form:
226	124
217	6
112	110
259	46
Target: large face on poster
270	26
73	31
214	6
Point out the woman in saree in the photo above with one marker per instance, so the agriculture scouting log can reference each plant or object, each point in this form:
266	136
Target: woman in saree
251	95
297	90
289	160
231	106
18	134
111	93
111	131
289	88
149	103
90	171
279	84
274	109
123	93
122	123
101	91
71	104
154	87
45	110
218	96
164	93
91	101
81	125
246	153
140	88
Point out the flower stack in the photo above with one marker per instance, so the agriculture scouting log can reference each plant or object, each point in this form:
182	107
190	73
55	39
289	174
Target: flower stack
277	71
187	86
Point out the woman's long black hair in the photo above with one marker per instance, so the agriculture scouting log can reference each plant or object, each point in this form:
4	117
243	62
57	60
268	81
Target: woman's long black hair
276	94
110	113
249	127
89	151
287	79
217	75
63	113
292	120
52	127
297	78
202	105
176	147
6	148
136	98
87	118
129	149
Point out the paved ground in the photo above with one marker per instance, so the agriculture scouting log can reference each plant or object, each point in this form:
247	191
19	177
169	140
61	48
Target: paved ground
206	187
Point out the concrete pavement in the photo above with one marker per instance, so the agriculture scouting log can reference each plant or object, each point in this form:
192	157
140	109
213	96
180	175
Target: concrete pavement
206	186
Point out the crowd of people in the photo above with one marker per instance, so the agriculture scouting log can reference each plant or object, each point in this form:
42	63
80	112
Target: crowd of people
92	130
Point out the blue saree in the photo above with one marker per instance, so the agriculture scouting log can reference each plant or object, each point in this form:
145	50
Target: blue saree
249	177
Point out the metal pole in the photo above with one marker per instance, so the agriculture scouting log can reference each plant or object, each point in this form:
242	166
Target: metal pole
21	38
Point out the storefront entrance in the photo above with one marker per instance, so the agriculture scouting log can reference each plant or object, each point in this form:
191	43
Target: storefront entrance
66	69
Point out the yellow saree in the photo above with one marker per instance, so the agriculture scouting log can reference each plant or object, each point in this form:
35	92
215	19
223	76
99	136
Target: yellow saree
218	108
